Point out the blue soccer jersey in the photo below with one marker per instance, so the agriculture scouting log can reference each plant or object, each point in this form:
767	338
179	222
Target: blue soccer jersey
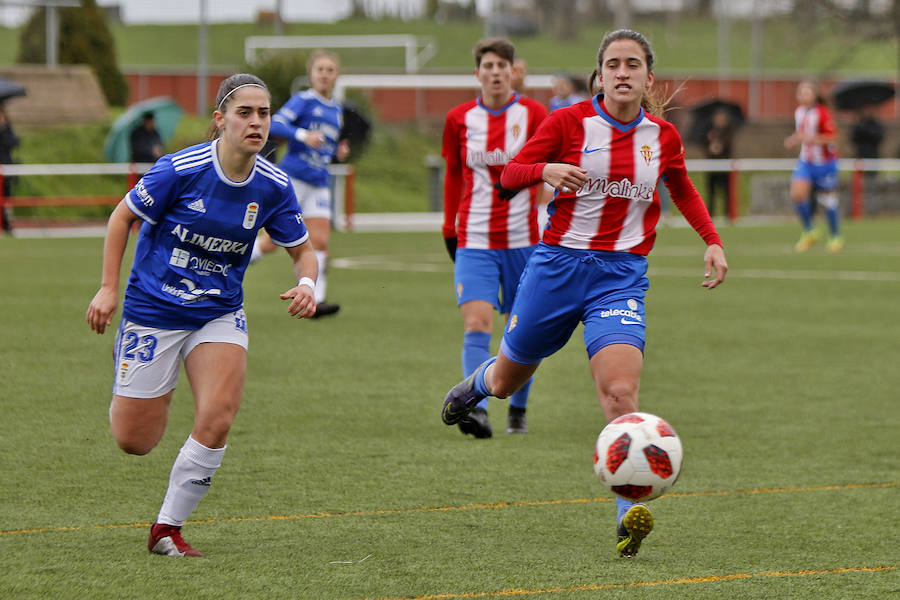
313	112
197	235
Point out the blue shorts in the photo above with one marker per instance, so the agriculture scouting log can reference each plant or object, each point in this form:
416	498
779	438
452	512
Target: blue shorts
562	287
823	177
489	275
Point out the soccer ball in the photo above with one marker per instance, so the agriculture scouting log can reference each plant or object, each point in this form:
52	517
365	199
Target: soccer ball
638	456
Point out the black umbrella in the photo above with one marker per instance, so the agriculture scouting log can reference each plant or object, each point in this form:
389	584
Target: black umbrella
703	112
355	130
10	89
850	95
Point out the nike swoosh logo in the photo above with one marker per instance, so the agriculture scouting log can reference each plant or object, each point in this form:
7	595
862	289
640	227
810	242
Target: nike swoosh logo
591	150
625	321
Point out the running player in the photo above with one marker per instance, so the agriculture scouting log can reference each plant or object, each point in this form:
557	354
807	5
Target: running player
201	210
604	157
816	176
489	232
311	120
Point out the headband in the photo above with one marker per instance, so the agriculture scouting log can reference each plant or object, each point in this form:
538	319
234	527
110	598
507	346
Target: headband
222	101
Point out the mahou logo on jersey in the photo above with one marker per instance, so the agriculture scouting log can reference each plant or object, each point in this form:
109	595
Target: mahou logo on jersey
250	215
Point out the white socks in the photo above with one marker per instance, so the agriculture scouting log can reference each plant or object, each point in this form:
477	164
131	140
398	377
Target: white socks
189	481
257	252
322	279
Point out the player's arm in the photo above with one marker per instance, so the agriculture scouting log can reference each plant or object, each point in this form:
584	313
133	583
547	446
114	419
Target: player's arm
106	300
453	184
306	271
284	124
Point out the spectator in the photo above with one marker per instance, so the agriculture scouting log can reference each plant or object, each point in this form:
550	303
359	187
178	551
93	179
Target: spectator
8	141
564	92
146	143
519	73
717	144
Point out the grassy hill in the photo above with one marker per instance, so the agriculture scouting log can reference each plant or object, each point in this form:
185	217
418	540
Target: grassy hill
682	43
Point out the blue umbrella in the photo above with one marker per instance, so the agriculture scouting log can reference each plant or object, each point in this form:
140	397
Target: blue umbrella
10	89
166	114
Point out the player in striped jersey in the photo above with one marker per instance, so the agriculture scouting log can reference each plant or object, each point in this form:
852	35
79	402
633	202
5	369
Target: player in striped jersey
201	210
816	176
604	156
489	232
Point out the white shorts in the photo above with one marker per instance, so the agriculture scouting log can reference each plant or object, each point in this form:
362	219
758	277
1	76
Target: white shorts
146	359
315	201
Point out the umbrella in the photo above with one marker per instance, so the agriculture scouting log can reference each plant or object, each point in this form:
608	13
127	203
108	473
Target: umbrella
850	95
166	114
356	126
10	89
703	112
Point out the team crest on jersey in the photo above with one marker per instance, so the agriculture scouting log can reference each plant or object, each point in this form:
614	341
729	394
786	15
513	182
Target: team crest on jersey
250	215
646	153
459	290
123	371
517	129
513	321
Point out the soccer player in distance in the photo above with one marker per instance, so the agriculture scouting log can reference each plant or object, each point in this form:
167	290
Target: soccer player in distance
311	122
489	232
201	209
604	157
815	177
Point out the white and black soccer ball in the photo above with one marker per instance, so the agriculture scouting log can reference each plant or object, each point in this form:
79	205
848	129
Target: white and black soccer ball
638	456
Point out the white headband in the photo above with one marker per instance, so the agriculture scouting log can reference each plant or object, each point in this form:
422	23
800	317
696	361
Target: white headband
222	101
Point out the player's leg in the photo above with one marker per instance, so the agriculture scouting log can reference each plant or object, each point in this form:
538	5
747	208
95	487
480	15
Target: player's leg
320	235
262	245
801	189
512	265
616	370
215	360
826	194
478	318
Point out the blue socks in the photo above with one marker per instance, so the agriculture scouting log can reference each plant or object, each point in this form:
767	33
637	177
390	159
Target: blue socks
480	385
805	213
833	219
622	506
520	398
476	350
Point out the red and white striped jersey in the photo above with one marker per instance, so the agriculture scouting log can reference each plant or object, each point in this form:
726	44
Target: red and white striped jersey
811	121
478	142
618	209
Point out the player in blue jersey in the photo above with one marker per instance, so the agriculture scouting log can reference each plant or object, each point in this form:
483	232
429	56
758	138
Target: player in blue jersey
311	122
201	209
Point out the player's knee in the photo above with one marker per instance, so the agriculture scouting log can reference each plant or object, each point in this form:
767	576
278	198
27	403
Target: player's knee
136	446
619	398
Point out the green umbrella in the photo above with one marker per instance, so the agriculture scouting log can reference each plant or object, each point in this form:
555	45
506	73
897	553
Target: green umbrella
166	114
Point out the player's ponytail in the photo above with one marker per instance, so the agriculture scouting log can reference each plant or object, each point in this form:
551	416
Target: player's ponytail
223	97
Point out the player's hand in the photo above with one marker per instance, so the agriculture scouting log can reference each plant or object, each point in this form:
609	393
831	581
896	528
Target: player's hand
303	301
102	308
343	151
450	243
314	139
714	260
564	177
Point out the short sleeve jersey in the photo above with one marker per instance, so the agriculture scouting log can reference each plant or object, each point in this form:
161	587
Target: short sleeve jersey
311	111
477	143
812	121
198	231
618	209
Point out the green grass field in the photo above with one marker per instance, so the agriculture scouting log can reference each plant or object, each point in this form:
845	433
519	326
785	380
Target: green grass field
340	482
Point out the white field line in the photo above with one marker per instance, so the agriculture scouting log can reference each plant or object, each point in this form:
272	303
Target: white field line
435	263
